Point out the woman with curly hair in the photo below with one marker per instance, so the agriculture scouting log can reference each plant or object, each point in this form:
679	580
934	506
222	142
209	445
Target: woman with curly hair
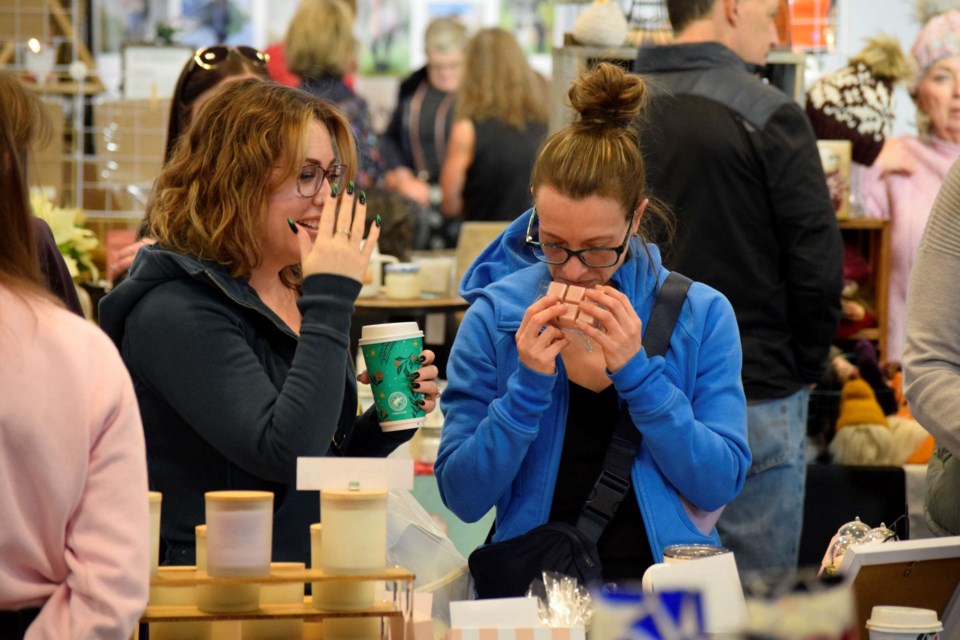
235	324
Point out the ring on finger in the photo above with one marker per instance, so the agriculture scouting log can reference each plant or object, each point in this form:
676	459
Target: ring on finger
345	232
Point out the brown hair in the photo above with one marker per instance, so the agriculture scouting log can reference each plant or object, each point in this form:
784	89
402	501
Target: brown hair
194	81
683	12
599	153
23	122
320	39
498	82
210	200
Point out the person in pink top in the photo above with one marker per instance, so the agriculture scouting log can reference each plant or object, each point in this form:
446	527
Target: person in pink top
902	184
75	537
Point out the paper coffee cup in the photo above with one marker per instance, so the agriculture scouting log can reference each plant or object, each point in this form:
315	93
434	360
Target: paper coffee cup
903	623
391	352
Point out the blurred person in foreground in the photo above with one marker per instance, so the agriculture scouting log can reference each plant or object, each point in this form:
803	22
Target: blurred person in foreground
75	542
931	356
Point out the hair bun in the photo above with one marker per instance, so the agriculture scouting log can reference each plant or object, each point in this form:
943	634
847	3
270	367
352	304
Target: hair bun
608	96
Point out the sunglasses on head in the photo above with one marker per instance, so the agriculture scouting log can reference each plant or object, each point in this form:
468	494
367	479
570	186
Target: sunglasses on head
213	57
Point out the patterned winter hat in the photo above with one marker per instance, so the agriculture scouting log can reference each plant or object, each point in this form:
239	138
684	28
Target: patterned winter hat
855	103
939	39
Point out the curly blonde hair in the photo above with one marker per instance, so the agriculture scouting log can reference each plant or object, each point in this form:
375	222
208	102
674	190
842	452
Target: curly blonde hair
599	153
210	200
320	39
498	82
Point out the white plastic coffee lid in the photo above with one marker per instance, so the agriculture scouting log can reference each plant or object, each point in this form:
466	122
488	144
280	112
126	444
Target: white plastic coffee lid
888	618
389	331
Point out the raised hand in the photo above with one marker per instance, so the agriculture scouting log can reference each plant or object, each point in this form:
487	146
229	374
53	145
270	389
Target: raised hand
338	249
619	332
538	341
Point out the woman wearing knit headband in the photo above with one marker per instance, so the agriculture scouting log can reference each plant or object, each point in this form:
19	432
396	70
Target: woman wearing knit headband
902	184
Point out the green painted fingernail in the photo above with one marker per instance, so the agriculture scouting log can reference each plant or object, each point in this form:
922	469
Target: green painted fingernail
293	227
333	191
376	220
363	198
350	188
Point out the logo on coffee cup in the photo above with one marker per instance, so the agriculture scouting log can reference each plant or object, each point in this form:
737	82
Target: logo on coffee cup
398	401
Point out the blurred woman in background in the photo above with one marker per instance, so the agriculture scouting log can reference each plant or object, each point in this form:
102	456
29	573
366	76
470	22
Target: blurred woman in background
902	184
499	123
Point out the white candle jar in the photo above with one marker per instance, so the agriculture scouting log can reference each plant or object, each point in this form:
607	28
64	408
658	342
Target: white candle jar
354	541
402	281
238	542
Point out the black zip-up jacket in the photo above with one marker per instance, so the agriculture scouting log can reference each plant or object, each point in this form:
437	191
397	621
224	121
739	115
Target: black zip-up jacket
737	163
230	396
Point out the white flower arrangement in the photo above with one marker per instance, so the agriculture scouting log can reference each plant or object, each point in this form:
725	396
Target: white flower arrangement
75	242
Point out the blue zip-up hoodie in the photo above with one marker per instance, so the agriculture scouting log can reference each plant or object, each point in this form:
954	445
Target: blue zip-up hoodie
504	423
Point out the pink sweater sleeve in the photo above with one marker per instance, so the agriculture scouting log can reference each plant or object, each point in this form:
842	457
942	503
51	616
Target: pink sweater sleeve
107	536
873	191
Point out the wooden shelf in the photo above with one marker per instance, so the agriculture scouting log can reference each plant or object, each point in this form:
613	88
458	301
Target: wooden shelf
871	236
182	578
304	611
173	577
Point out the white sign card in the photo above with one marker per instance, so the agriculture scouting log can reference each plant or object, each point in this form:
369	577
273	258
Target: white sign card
314	474
494	613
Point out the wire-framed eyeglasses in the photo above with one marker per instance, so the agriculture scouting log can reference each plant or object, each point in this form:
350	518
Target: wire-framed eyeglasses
311	177
212	57
596	258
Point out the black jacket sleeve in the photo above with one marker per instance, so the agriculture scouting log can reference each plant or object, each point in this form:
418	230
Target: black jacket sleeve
806	228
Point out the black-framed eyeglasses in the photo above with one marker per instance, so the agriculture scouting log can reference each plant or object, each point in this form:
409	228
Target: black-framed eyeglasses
212	57
311	177
597	258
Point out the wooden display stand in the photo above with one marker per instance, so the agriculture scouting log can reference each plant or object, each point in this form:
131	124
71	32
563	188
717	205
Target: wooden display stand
872	237
400	608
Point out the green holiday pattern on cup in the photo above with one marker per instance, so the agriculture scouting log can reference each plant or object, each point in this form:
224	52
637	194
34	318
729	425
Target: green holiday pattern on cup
390	365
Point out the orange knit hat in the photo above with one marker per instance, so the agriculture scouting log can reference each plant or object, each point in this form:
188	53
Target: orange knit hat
858	405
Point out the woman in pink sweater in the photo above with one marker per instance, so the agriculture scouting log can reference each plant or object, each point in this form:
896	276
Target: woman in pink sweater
74	542
903	183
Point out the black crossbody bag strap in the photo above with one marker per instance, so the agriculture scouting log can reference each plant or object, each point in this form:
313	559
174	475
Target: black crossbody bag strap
614	481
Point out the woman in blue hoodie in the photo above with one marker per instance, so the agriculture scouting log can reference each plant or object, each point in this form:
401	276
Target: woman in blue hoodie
530	409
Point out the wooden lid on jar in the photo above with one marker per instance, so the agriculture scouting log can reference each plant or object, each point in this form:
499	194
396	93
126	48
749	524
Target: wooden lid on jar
238	496
347	495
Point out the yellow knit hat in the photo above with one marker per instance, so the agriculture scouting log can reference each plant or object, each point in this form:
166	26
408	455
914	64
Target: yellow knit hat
858	405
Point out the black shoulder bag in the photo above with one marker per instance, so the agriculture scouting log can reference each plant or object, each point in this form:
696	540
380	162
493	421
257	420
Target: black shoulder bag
505	569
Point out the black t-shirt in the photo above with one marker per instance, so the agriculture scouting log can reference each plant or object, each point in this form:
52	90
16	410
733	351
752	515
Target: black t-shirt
591	418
